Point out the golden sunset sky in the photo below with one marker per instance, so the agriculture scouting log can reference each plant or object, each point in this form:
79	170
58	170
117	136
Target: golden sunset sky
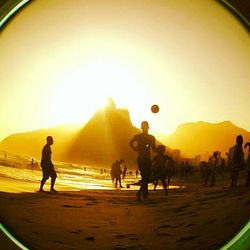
61	59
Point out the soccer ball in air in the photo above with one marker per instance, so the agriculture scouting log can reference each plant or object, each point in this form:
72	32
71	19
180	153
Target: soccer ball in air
155	108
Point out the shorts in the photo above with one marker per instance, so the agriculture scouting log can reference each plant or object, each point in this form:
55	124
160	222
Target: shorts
49	172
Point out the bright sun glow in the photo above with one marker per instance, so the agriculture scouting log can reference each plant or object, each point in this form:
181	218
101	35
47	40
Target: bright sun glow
85	89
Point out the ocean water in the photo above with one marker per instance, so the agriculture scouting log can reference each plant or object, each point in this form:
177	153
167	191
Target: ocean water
70	176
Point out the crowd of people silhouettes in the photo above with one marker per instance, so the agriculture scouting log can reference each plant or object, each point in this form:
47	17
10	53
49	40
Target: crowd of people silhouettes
160	167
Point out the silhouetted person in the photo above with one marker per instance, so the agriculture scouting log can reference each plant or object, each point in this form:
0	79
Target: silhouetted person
206	172
47	165
202	167
222	165
187	169
182	170
124	172
117	171
248	164
143	143
170	170
159	164
213	165
236	157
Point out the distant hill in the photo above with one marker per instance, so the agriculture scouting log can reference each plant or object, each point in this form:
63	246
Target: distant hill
31	143
201	137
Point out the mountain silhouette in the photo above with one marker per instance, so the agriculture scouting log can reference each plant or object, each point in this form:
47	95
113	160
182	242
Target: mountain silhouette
104	138
202	138
31	143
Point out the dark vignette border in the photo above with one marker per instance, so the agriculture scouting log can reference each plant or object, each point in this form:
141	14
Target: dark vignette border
239	8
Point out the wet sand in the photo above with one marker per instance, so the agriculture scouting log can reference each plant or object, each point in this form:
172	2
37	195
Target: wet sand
195	217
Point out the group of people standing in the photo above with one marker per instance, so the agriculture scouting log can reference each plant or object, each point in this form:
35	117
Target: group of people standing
235	164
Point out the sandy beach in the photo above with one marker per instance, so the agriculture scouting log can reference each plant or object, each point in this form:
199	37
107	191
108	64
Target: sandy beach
195	217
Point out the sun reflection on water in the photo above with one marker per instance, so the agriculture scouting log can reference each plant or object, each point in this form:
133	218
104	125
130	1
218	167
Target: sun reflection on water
73	177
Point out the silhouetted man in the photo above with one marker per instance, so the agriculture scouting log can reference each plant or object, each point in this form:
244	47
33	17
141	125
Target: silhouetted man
248	164
144	143
236	157
47	165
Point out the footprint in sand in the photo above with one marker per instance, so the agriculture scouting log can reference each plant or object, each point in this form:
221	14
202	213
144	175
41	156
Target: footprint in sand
120	236
188	238
190	225
119	247
183	207
95	226
211	221
90	238
164	234
76	231
30	202
57	241
90	204
70	206
28	221
134	238
165	226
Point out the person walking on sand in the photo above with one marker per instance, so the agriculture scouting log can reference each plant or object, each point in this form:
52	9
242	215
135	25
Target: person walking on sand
236	157
47	166
248	164
143	143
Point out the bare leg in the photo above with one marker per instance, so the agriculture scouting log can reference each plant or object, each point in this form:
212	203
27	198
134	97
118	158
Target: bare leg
164	184
42	183
155	184
53	180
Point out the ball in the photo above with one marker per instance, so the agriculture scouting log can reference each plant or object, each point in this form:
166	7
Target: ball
155	108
